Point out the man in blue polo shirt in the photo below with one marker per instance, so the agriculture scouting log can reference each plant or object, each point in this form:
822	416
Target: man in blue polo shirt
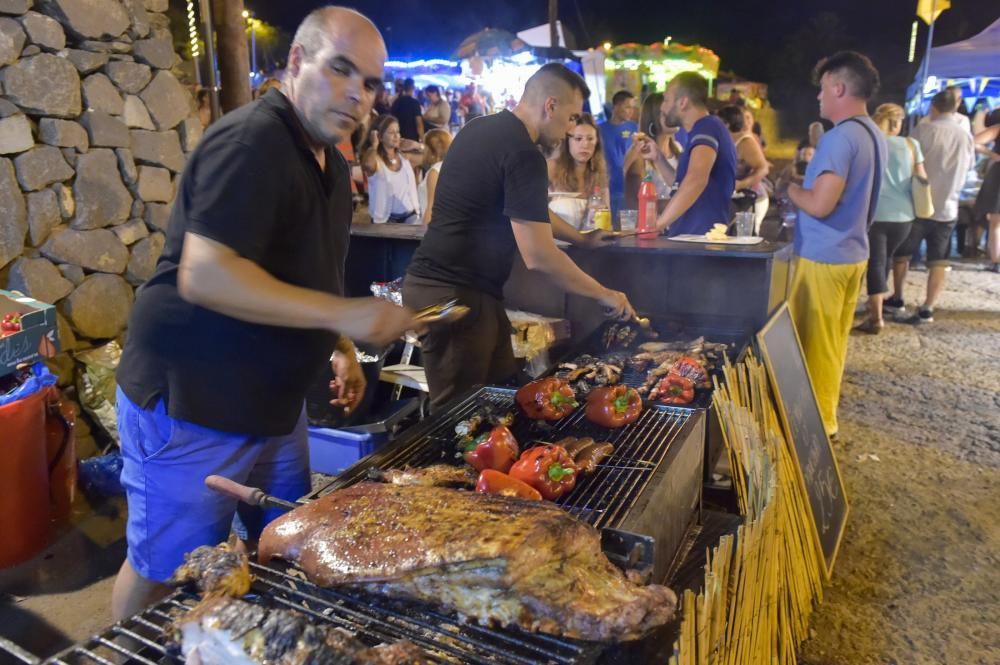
706	172
616	137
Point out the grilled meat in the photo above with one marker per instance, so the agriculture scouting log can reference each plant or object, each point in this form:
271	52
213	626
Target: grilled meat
223	631
574	445
589	457
215	571
436	475
492	558
587	372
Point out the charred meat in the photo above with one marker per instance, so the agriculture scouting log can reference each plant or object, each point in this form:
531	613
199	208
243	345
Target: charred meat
224	631
437	475
588	372
618	335
491	558
215	571
588	458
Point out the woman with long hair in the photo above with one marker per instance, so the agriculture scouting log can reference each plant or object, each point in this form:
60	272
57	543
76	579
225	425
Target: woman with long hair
392	185
437	141
894	213
577	169
751	165
987	208
640	164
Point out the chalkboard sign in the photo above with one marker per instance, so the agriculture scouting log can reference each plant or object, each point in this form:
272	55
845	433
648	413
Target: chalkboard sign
799	412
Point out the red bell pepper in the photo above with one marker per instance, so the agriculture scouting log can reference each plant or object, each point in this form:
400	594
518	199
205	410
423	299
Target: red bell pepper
675	389
547	399
495	482
693	369
613	406
549	469
496	450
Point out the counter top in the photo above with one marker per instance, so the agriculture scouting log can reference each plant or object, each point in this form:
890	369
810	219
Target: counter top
658	245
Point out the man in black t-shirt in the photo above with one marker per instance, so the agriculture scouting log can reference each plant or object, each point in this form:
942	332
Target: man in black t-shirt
492	201
408	112
245	308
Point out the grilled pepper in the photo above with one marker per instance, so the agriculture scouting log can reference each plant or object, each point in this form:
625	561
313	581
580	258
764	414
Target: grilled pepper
494	482
691	368
549	469
547	399
675	389
613	406
496	450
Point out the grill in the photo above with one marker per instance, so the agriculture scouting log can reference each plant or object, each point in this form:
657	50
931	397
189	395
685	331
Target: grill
143	639
643	497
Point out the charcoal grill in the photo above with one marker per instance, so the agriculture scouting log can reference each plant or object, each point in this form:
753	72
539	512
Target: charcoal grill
642	498
143	639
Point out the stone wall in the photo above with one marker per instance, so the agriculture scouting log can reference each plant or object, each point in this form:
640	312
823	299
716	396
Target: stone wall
95	129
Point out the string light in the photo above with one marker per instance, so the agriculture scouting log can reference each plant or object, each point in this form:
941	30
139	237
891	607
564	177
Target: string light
913	42
193	30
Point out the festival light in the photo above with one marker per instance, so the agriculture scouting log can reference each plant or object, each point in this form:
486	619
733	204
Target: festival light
192	30
913	42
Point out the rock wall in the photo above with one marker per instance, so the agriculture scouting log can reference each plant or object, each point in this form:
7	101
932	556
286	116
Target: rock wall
95	129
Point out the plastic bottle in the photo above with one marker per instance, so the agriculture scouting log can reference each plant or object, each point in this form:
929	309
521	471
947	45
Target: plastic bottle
647	205
598	215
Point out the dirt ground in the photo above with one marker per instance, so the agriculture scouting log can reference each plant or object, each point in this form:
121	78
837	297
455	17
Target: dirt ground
917	579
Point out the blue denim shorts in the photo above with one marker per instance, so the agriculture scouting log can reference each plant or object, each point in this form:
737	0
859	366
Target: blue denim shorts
165	462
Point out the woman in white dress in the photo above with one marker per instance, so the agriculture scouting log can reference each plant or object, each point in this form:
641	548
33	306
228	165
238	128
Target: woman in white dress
392	185
437	141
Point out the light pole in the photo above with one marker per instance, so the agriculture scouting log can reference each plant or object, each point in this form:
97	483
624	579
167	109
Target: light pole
253	41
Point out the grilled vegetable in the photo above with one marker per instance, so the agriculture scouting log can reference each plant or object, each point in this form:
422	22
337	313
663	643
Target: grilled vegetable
613	406
495	482
588	458
215	571
674	389
546	399
496	450
693	369
549	469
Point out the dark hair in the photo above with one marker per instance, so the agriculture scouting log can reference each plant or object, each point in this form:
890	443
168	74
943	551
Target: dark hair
409	85
432	89
621	96
649	114
202	95
856	68
732	115
381	125
693	86
564	177
992	118
945	101
559	72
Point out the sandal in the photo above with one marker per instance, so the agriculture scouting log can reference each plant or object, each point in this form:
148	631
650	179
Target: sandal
870	327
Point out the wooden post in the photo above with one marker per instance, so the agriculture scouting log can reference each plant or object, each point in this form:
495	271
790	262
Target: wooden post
234	67
553	23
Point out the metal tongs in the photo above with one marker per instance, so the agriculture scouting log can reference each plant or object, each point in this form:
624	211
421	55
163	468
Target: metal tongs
448	311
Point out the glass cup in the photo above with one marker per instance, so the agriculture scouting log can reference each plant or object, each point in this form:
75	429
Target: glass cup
744	223
627	219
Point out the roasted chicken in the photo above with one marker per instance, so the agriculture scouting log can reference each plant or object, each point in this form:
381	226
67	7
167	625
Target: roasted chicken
215	571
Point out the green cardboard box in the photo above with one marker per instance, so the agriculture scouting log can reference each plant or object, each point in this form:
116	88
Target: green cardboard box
38	337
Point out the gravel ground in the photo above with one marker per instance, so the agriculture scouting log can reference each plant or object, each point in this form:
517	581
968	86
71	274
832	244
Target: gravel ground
917	579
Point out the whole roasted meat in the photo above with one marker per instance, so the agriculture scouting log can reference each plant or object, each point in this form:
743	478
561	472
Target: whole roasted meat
492	558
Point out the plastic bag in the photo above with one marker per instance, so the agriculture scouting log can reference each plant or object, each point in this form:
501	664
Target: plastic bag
32	380
100	476
96	385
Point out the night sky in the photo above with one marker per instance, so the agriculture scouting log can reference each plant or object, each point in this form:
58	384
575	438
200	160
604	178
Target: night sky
748	36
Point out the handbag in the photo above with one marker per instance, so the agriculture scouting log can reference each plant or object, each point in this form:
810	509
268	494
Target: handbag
920	189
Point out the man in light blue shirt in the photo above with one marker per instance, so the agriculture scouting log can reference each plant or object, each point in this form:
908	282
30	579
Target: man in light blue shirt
836	204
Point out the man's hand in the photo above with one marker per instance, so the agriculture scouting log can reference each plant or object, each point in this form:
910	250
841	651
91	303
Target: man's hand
616	306
595	239
348	385
373	320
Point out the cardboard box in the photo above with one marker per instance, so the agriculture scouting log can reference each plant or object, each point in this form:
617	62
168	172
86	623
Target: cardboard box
38	337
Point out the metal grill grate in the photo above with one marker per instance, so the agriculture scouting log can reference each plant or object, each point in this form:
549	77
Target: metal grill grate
600	499
143	639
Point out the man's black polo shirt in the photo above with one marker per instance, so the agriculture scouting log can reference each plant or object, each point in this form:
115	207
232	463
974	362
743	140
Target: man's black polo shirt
254	185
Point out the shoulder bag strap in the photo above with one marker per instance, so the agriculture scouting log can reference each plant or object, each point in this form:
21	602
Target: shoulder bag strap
878	171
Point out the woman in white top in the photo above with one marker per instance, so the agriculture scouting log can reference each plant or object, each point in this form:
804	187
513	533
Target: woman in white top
392	185
576	170
437	141
751	165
